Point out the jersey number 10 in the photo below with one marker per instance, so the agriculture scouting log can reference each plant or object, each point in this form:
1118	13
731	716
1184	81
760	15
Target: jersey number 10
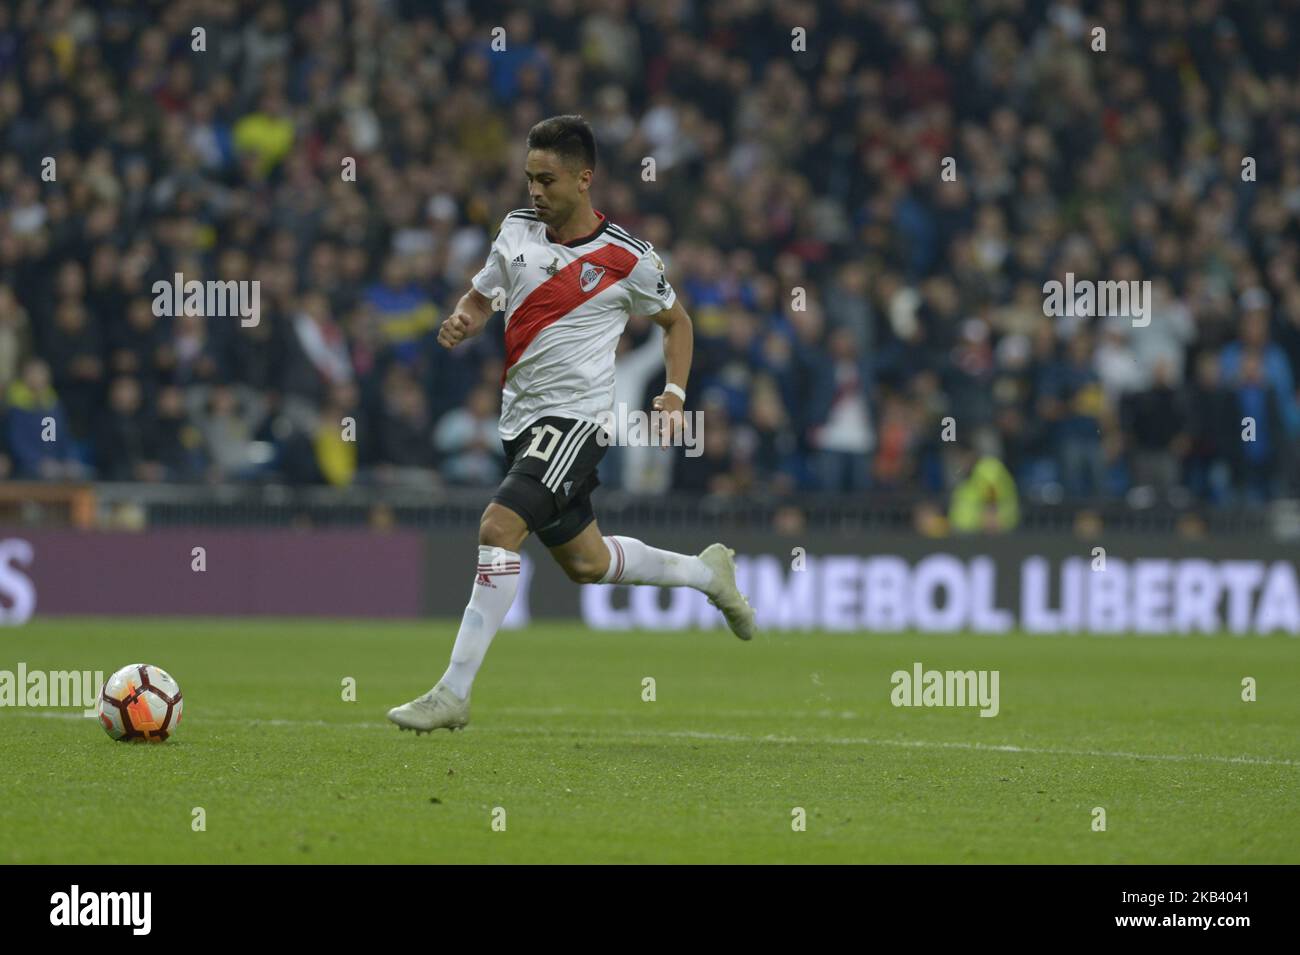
540	433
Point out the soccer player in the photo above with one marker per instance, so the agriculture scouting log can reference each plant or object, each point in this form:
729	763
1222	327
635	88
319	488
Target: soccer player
570	278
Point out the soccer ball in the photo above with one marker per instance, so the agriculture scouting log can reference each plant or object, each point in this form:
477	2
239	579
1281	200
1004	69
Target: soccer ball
140	703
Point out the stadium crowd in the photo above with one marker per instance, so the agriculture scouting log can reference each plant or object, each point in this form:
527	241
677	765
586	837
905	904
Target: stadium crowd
847	296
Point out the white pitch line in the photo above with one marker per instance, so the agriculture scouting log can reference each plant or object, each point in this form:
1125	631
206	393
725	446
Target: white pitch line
770	738
51	714
941	744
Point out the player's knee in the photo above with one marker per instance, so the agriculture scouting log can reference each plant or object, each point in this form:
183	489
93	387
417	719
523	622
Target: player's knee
501	528
583	569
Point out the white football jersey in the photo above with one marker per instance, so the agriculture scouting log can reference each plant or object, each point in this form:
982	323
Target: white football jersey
566	306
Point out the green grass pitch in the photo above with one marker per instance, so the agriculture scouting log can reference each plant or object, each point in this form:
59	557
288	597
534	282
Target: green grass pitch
1153	730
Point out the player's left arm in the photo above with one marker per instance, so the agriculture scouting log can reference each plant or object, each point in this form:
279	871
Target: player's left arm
679	346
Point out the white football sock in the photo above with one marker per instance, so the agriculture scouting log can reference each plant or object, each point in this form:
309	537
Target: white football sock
632	562
494	591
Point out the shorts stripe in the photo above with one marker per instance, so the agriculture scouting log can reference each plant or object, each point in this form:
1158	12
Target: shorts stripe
560	451
564	460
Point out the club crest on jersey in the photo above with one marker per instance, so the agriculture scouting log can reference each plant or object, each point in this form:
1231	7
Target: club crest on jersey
591	276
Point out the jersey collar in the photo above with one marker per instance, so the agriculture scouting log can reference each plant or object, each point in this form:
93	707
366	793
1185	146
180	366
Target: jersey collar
574	243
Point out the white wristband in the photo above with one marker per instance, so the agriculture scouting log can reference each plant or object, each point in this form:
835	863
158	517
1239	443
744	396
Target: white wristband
671	389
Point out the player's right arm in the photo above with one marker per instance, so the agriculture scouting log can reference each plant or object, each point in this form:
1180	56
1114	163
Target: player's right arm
471	314
475	306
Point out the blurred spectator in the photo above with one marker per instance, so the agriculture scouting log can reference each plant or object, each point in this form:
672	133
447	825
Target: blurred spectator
334	440
1156	422
227	421
1263	429
405	428
179	442
468	441
138	344
37	437
1019	432
769	443
1071	401
1213	433
74	348
897	437
844	441
404	312
711	471
193	351
15	337
318	356
265	135
1271	361
985	500
126	437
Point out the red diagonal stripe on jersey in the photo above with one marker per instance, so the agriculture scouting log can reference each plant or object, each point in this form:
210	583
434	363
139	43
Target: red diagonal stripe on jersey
559	295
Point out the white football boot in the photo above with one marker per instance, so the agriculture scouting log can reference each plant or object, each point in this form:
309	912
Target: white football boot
725	595
439	708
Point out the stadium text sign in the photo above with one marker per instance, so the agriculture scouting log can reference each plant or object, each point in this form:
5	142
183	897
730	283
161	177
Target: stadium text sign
17	592
945	592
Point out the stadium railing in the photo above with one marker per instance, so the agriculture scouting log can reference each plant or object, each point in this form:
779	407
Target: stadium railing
141	506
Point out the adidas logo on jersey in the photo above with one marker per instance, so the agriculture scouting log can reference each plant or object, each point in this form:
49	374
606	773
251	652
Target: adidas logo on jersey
567	485
518	261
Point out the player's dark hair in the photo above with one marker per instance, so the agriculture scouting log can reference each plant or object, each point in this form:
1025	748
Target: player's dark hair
569	137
